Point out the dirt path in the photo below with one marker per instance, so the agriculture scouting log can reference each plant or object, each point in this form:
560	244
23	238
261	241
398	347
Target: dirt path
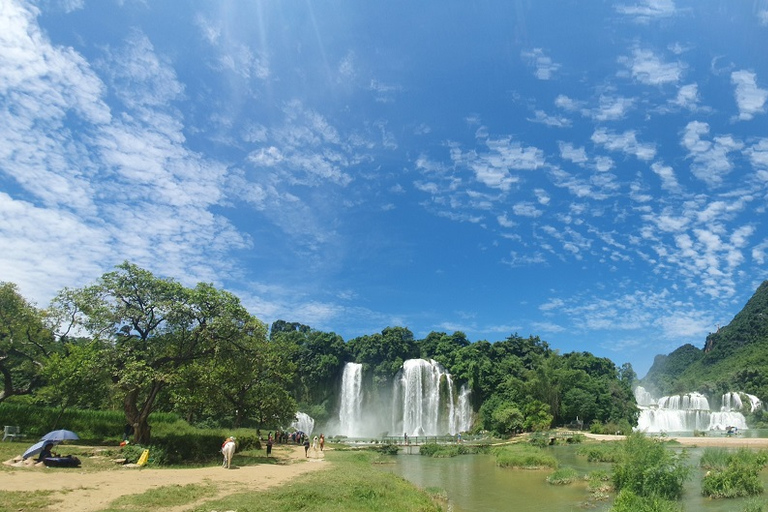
93	491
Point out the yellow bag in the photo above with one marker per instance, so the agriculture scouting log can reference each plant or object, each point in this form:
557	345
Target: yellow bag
144	458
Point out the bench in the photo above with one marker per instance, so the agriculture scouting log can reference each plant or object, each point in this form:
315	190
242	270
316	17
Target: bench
12	431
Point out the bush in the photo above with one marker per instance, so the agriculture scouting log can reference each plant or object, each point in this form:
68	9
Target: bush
648	469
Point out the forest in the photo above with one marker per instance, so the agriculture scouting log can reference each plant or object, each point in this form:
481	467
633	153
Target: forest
138	343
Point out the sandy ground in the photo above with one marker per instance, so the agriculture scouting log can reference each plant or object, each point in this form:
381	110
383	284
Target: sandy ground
92	491
713	440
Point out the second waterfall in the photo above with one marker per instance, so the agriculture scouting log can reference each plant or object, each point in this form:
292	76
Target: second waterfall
422	400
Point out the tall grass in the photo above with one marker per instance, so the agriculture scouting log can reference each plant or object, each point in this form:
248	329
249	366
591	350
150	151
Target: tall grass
603	452
733	474
524	456
647	468
35	421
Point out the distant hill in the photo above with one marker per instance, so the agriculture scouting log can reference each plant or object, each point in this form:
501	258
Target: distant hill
735	358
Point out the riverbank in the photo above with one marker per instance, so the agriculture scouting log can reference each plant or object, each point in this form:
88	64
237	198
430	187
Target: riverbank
713	440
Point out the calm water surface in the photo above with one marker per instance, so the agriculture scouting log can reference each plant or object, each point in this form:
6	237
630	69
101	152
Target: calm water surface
475	484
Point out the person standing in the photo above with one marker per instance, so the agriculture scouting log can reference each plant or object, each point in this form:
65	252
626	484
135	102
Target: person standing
269	445
306	446
322	441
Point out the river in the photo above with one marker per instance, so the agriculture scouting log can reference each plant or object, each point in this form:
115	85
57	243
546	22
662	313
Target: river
475	484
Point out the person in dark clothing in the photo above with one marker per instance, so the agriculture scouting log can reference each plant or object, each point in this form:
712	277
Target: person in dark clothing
45	453
269	445
306	446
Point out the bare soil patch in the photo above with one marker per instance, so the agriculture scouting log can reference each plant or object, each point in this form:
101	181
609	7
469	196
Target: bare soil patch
75	489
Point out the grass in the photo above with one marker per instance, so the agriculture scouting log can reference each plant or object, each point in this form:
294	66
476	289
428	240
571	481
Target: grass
451	450
562	476
524	456
162	497
349	485
14	501
601	452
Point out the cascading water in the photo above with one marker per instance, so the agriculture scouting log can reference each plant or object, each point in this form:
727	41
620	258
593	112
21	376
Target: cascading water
690	411
351	408
423	400
304	423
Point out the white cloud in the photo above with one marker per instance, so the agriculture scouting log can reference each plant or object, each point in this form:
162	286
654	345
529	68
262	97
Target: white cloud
526	209
687	97
545	67
571	153
710	158
647	10
647	68
611	108
749	97
569	104
626	143
667	174
556	121
762	16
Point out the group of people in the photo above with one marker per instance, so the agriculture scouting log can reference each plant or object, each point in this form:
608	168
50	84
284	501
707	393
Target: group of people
297	438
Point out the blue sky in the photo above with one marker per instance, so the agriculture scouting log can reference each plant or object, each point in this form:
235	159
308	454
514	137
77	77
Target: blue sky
594	173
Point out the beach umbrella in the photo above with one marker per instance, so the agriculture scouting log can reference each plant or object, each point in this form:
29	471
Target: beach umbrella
37	448
59	436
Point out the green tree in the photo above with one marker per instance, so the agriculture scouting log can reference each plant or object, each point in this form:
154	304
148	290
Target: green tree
25	343
154	327
254	381
76	377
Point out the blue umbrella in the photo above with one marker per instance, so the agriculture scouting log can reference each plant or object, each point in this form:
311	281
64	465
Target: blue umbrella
37	448
59	436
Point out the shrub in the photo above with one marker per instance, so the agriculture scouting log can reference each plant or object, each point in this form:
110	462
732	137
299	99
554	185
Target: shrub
648	469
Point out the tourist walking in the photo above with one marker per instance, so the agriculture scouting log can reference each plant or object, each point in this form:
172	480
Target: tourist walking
322	441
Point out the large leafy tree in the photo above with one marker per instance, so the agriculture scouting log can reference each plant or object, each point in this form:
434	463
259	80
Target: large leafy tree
152	328
254	381
25	343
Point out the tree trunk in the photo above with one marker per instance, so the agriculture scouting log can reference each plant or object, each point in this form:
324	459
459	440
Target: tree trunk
139	419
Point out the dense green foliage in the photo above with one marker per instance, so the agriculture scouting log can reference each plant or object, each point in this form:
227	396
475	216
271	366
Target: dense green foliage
647	468
148	344
735	358
733	474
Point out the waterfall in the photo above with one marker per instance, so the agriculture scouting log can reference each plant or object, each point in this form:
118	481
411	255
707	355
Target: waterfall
425	400
422	400
304	423
691	411
351	411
